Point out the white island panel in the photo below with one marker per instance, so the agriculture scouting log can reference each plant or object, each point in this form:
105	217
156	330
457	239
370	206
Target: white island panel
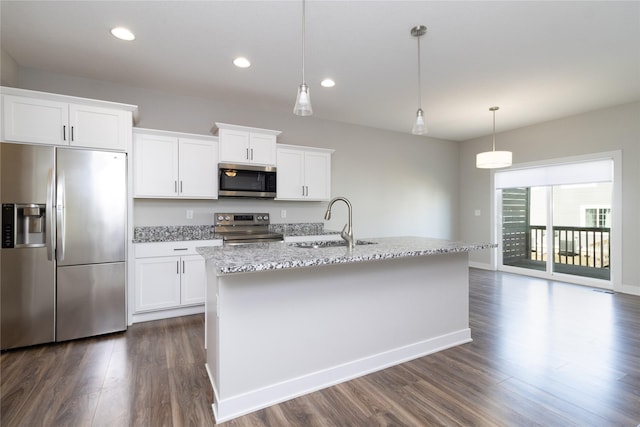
276	334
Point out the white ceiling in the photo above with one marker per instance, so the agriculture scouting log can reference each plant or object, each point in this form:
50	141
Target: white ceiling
536	60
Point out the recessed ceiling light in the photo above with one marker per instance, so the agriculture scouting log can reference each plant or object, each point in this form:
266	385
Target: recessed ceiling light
123	33
327	83
241	62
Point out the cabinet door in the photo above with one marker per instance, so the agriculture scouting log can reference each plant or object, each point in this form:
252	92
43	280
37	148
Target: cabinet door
317	175
198	168
290	176
97	127
234	146
155	163
35	121
194	280
157	283
262	149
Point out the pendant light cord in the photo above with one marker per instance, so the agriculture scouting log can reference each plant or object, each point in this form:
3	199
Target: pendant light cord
419	77
303	37
494	130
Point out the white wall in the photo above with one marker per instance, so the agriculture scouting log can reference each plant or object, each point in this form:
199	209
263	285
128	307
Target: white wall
616	128
8	69
399	184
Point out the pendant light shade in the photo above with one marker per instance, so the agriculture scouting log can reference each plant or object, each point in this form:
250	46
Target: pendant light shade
494	159
419	127
303	100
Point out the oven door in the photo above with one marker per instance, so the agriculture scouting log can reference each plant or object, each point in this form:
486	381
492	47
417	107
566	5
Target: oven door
246	181
251	239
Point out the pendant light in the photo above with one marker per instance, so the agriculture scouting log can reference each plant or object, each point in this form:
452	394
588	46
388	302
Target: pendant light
418	127
303	100
493	159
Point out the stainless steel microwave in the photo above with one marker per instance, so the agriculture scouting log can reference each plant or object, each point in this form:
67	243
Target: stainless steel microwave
246	181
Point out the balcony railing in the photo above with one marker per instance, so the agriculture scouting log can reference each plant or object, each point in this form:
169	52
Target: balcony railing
581	251
579	246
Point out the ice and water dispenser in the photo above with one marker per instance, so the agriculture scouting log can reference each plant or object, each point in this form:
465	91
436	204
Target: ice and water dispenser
23	225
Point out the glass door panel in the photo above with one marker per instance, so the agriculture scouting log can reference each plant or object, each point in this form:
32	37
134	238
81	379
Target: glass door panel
581	229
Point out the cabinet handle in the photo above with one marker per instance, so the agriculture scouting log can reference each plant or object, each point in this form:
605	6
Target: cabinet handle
181	249
175	186
72	133
303	190
177	267
182	267
64	132
247	154
181	186
252	154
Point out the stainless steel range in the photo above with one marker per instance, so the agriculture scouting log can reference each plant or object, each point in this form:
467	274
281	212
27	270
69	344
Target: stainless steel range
245	228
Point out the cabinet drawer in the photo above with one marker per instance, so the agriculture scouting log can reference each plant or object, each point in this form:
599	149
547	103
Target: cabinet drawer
180	248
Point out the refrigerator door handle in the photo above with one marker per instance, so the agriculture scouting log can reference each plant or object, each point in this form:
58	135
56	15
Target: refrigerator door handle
48	211
60	219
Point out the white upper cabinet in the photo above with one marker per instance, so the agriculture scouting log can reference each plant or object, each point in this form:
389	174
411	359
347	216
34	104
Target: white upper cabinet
246	145
304	173
97	127
42	118
34	120
155	166
198	167
174	165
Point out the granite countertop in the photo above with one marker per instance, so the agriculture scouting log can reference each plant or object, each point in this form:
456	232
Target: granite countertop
276	256
174	233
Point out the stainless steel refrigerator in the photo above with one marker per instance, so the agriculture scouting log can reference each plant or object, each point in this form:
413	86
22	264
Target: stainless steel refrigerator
62	262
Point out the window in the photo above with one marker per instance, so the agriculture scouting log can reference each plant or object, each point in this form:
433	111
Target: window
597	217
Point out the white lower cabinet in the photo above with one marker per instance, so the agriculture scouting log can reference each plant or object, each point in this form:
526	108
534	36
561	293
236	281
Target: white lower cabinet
157	283
193	281
169	276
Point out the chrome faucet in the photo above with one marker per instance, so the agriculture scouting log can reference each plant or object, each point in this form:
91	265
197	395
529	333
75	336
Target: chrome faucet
347	231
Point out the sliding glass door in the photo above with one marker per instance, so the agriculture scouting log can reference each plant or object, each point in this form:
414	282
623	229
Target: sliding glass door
562	227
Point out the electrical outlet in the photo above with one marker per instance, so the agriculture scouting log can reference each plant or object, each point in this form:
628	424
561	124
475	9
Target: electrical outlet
477	212
283	213
189	214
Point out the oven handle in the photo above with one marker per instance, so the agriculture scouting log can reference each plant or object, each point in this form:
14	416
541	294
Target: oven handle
250	241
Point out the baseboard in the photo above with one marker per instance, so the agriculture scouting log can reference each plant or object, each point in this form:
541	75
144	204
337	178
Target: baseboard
480	265
235	406
166	314
630	289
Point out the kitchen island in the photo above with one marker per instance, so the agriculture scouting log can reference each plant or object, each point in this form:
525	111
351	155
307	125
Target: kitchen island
285	319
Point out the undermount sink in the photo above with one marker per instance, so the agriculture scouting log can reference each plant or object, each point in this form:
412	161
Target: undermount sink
330	244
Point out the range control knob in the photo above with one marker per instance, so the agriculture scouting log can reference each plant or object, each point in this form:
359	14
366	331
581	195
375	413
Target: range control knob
227	217
220	217
266	217
259	218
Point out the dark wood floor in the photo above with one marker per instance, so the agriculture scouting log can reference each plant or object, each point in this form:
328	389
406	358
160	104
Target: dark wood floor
543	353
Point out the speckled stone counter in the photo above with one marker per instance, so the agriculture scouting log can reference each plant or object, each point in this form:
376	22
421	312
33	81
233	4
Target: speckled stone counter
277	256
301	229
175	233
